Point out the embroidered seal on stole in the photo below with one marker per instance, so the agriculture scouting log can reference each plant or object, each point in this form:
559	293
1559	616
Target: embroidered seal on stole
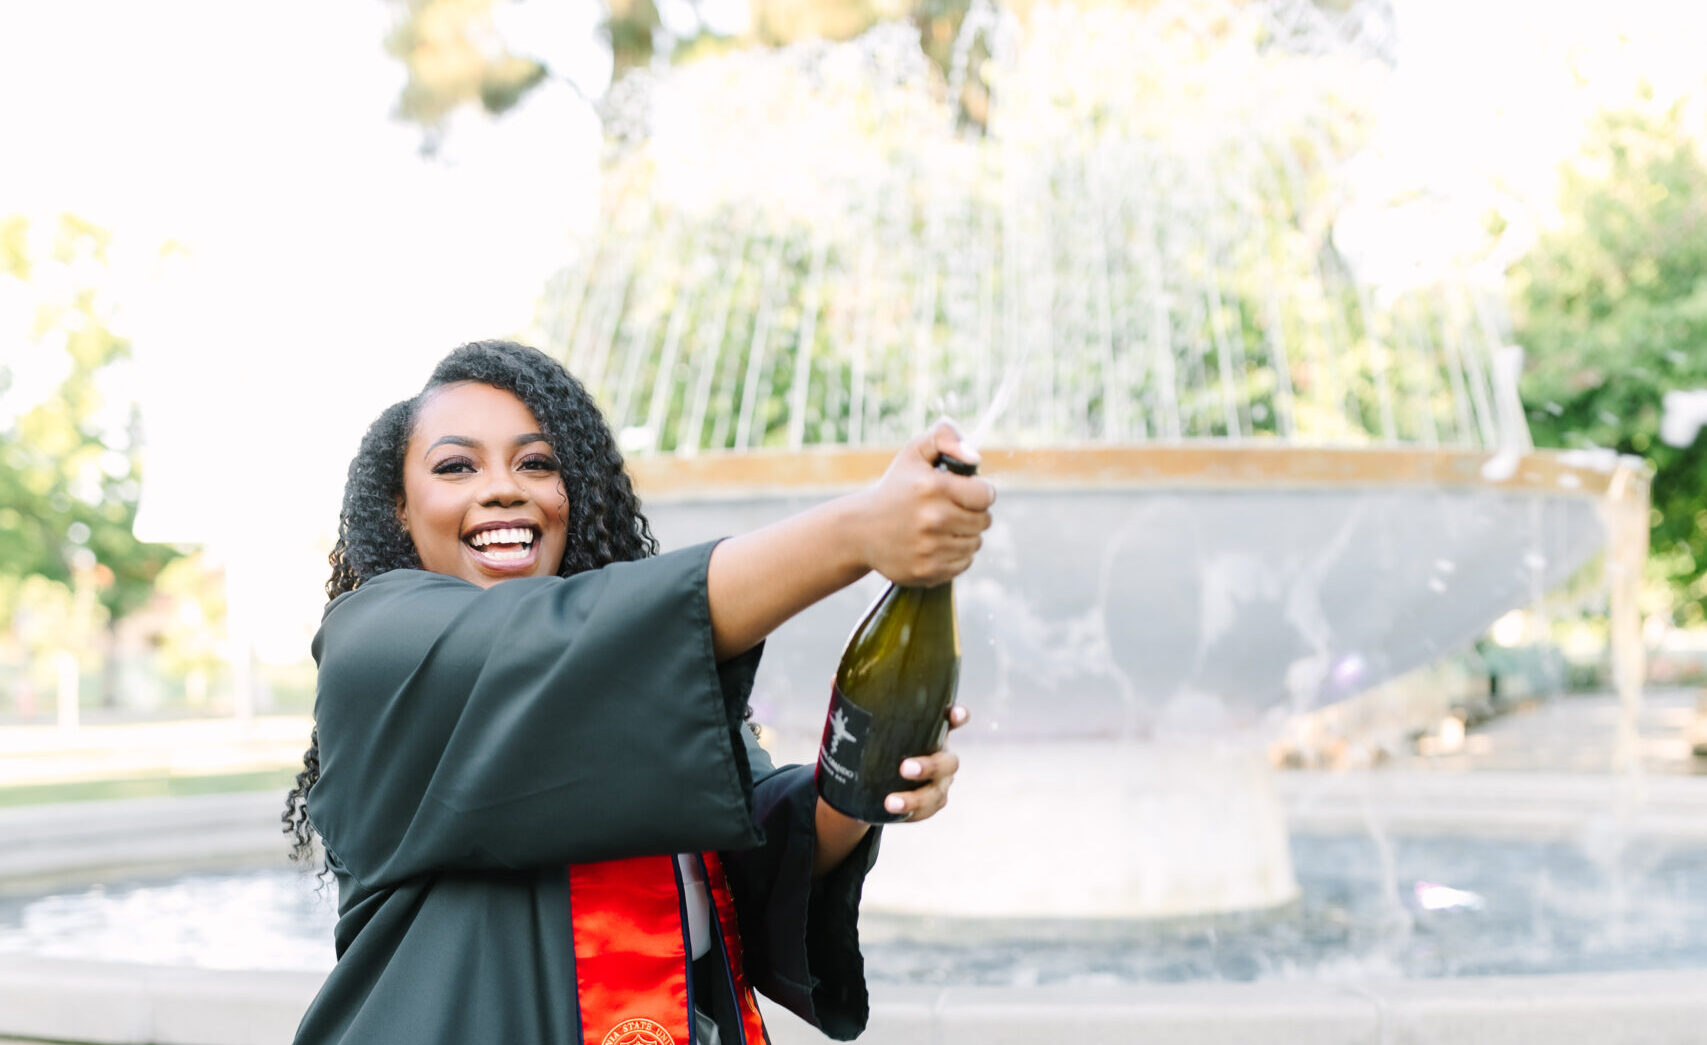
638	1031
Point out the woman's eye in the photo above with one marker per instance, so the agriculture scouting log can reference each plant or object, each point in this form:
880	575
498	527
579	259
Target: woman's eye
540	463
451	466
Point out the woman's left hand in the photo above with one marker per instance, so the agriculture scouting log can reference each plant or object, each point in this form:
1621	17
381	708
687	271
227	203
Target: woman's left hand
935	771
837	834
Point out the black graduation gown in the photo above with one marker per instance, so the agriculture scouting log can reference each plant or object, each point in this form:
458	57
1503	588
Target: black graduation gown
475	741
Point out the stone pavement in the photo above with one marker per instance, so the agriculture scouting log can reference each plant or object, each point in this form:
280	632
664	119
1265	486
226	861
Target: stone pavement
1578	733
37	754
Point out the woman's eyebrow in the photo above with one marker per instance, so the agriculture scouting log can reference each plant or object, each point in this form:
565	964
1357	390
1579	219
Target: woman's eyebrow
464	441
453	440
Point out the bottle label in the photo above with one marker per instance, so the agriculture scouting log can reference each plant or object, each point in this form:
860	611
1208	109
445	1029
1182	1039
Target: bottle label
847	729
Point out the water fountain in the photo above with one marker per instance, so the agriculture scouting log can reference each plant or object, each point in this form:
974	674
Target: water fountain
1238	483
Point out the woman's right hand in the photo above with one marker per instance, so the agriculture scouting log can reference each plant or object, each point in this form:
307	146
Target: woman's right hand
923	524
917	526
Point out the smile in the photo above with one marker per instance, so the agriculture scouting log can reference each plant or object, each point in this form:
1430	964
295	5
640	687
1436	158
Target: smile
503	545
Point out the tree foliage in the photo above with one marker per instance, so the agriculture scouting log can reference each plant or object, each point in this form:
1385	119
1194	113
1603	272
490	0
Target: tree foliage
70	463
454	56
1611	307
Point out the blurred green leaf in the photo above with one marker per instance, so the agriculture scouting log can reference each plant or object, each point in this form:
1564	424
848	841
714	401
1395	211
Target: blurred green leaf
70	464
1611	307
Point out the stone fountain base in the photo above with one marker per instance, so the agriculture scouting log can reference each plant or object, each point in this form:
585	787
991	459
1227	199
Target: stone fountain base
1095	829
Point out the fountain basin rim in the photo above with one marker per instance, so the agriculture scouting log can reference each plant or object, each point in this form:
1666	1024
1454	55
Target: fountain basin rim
723	475
1498	804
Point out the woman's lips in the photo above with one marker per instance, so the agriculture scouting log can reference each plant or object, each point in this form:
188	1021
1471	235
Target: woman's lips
505	558
506	549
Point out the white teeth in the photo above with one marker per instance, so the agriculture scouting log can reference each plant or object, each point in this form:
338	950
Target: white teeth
507	535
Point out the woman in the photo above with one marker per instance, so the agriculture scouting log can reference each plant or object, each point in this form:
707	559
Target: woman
529	770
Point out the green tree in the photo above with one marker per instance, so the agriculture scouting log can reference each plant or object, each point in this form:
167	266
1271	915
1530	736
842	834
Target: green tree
454	56
1611	307
70	463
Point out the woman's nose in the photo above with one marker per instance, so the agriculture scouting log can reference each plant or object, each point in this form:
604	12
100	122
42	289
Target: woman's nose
502	489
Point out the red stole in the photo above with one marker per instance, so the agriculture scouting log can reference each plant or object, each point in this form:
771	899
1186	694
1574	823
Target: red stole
632	970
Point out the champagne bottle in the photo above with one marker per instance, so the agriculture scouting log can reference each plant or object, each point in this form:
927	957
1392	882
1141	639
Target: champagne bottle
892	692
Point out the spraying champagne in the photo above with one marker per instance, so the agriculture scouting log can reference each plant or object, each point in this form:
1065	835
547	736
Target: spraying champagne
892	692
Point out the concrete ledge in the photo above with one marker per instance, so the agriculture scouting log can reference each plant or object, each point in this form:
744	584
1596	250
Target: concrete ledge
73	843
1640	1008
1650	1008
1492	804
46	754
117	1004
664	478
113	1004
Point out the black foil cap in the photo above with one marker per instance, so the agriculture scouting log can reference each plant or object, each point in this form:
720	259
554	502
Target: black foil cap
955	465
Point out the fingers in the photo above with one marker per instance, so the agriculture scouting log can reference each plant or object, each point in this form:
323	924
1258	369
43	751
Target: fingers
931	768
924	525
936	769
971	493
953	527
951	550
975	494
945	438
936	773
921	804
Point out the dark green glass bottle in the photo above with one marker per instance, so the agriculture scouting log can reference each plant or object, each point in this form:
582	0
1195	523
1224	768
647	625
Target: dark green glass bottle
893	689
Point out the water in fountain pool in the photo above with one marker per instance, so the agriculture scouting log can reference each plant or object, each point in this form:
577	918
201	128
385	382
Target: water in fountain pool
1464	907
261	919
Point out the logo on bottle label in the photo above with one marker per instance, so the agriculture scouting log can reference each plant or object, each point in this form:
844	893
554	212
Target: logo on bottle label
839	730
845	730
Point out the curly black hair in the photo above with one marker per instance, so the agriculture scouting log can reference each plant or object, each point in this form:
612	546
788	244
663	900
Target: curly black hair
605	523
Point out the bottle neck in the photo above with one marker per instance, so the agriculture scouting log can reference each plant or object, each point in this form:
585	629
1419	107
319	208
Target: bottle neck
932	591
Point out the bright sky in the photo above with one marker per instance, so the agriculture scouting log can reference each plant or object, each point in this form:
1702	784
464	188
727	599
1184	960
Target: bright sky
327	266
1489	97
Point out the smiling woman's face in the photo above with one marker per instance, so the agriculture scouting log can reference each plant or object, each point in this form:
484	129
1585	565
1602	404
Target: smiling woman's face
483	495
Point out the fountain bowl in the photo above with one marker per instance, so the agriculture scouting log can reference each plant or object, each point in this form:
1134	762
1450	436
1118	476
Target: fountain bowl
1139	625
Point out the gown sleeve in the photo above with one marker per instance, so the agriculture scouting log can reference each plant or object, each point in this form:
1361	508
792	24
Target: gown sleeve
799	937
540	721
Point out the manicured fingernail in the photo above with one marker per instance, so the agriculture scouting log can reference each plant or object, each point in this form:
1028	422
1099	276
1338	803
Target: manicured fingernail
894	803
910	768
